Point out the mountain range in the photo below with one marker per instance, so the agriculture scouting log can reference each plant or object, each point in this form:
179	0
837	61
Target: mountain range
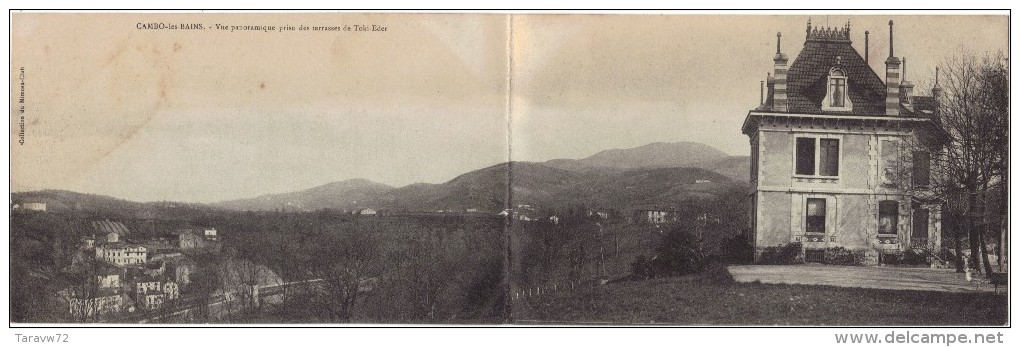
653	174
656	173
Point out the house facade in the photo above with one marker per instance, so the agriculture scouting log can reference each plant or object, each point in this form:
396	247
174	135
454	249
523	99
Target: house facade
839	156
121	254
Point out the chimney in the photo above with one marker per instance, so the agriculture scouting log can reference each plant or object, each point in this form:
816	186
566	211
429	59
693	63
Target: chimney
779	102
892	79
761	94
866	33
906	88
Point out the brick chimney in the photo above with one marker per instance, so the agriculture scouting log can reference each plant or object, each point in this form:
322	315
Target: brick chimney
892	79
779	102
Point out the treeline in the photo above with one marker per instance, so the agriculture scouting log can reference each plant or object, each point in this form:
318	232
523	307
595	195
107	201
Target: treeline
374	269
582	248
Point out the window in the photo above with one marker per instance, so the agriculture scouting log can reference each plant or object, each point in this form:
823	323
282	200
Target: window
919	232
838	86
825	163
836	92
829	157
805	156
888	216
922	169
815	215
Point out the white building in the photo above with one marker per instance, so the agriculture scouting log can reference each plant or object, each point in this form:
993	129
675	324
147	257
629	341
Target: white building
210	234
121	254
34	206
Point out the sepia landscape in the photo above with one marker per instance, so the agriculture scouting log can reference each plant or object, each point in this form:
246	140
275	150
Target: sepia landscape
487	169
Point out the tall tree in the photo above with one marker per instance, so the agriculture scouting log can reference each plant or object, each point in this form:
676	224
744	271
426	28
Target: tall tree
973	98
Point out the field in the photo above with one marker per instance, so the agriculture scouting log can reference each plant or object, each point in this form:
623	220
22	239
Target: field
713	298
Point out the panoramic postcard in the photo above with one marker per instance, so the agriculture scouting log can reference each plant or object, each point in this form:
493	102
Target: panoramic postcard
507	168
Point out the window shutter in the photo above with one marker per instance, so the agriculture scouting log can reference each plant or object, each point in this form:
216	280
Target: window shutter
805	156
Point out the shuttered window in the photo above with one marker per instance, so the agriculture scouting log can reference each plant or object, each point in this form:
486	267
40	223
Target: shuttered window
922	169
805	156
829	157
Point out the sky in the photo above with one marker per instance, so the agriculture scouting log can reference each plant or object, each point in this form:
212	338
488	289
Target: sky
210	115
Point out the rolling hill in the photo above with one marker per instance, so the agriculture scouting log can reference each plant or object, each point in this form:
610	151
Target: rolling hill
341	195
658	173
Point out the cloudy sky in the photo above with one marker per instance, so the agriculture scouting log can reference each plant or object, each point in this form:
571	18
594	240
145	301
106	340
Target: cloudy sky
208	115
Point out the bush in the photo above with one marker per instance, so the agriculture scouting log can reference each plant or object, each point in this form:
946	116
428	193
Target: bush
790	253
641	268
737	250
843	256
680	253
910	257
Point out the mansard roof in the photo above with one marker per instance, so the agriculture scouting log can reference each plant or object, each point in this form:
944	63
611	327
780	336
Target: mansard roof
808	75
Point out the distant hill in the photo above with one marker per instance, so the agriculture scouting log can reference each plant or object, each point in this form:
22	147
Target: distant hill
736	167
342	195
659	154
657	173
110	207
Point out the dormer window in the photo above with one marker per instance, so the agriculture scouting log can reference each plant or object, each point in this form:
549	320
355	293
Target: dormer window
836	97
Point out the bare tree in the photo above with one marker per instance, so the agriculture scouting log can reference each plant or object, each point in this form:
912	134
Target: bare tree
347	262
973	112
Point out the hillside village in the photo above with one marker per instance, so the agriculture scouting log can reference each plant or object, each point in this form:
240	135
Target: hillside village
134	271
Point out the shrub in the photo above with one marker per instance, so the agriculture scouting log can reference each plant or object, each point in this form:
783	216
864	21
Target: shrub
737	250
641	268
790	253
912	257
680	253
843	256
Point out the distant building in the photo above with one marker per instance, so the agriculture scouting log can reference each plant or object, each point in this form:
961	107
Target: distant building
192	239
107	231
108	277
210	234
103	302
702	181
655	215
88	242
366	212
32	206
121	254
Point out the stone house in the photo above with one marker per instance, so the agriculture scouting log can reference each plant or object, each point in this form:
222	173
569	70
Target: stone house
839	157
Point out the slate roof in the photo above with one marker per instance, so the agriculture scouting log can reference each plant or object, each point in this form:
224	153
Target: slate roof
808	75
107	226
924	106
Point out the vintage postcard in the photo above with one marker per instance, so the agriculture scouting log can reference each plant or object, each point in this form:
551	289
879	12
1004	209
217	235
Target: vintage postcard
509	168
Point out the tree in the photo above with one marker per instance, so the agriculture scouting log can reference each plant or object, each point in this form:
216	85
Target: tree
974	114
203	286
680	251
347	262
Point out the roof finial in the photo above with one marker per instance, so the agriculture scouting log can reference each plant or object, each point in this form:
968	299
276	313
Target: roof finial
808	28
891	39
779	41
936	76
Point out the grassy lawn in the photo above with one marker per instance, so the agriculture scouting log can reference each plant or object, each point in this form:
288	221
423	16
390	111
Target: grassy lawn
714	299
